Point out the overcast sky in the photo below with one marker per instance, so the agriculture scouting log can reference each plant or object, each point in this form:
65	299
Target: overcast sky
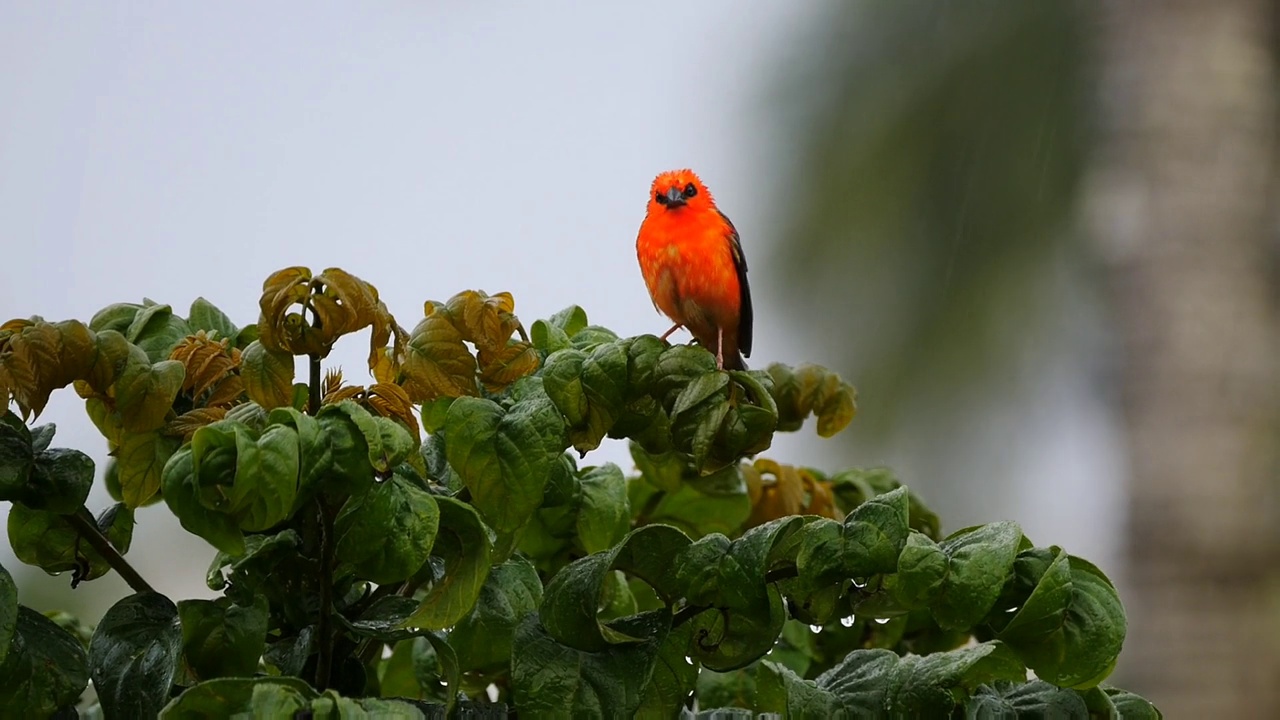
170	150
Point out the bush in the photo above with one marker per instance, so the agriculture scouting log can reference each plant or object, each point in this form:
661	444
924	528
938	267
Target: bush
411	547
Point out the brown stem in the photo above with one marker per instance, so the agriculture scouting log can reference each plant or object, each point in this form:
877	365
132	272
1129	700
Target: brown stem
313	400
84	524
324	630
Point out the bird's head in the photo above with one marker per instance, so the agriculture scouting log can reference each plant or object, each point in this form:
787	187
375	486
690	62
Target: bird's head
676	189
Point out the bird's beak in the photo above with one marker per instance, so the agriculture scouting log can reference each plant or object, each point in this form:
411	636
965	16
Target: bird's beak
674	198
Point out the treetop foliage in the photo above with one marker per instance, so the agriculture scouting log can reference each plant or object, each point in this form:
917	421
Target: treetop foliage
409	547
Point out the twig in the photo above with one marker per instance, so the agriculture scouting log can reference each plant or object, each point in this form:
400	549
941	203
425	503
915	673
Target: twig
85	525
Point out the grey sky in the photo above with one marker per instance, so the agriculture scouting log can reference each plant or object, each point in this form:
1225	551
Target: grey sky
171	150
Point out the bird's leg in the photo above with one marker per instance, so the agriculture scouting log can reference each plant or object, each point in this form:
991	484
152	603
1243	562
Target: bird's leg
720	349
667	334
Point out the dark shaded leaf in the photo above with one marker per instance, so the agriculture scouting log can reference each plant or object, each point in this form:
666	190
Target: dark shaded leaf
134	653
44	670
220	639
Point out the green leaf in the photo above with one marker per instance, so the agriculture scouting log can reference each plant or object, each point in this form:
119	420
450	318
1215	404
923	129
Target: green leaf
694	511
145	393
141	458
484	638
181	494
746	613
266	482
980	559
16	458
46	540
8	611
347	428
116	522
854	486
464	545
922	570
220	639
572	320
550	679
249	697
875	683
664	471
674	676
386	533
288	655
333	705
1071	626
1130	706
60	481
604	516
548	338
204	316
387	442
780	690
117	317
589	388
571	603
42	437
434	413
314	448
45	669
504	458
134	653
696	416
1032	699
156	330
592	336
867	543
267	375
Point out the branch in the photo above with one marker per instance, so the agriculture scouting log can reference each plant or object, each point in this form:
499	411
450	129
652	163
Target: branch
87	528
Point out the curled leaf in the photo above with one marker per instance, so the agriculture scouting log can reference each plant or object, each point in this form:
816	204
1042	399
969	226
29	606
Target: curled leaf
807	389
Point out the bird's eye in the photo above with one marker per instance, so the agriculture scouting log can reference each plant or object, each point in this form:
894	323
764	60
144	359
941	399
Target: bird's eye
690	190
661	198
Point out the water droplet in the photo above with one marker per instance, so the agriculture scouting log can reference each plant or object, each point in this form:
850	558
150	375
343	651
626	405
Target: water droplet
859	583
816	628
688	659
882	621
1012	610
848	621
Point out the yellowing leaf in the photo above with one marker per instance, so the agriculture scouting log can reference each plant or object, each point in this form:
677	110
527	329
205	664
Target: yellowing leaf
144	393
390	400
283	289
778	490
267	375
485	320
514	361
305	315
187	423
111	358
809	389
437	361
141	458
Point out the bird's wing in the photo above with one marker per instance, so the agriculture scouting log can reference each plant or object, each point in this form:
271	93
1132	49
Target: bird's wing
740	264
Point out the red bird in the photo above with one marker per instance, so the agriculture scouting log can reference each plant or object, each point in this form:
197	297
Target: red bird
693	264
